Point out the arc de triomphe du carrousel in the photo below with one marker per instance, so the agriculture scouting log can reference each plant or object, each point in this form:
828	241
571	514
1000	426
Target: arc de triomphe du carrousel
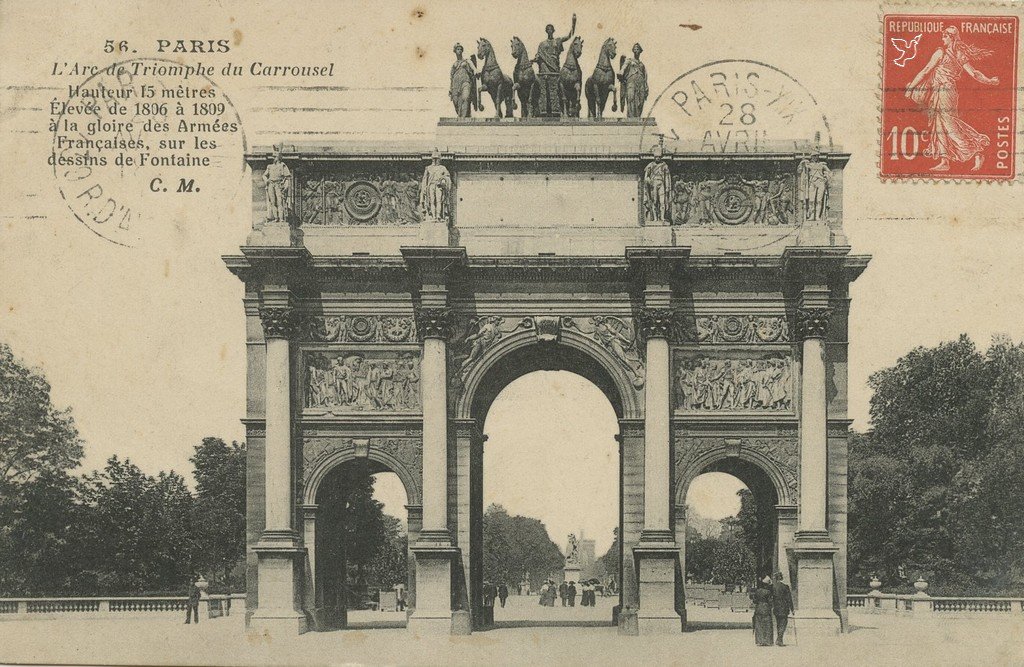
392	292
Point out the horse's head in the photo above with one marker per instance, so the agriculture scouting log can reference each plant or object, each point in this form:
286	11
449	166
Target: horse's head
576	48
483	48
609	48
518	48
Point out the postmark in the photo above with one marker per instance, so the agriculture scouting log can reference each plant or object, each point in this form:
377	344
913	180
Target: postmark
949	97
138	133
736	106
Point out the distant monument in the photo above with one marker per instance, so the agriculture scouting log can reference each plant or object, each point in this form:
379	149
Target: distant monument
571	572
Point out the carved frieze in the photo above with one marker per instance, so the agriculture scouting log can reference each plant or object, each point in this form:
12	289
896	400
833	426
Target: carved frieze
386	198
360	329
362	381
736	329
757	383
781	451
734	200
618	335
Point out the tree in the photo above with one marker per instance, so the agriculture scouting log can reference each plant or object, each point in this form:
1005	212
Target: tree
35	437
515	545
219	509
38	446
609	562
933	487
136	531
390	566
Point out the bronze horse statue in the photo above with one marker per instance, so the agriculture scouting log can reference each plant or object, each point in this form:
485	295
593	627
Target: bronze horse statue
570	80
601	82
525	81
494	81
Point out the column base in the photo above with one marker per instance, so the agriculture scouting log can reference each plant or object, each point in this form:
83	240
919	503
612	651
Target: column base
434	556
281	558
277	623
814	623
656	557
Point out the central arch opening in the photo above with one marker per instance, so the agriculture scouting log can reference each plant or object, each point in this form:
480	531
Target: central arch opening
731	541
550	474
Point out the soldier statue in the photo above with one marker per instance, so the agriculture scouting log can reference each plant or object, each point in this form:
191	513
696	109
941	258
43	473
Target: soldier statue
278	182
548	61
463	86
814	178
435	191
657	188
633	83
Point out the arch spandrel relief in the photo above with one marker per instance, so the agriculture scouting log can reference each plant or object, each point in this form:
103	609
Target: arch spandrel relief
777	456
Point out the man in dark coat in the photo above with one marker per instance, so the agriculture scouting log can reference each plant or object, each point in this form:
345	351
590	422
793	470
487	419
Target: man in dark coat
570	593
192	606
563	590
502	593
782	606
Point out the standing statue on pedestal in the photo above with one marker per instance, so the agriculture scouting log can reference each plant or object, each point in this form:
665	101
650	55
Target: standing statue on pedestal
548	67
278	182
814	178
657	189
463	87
435	191
633	81
573	556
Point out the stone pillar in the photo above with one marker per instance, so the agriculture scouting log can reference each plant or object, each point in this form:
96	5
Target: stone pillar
314	593
434	550
657	554
813	548
280	550
415	525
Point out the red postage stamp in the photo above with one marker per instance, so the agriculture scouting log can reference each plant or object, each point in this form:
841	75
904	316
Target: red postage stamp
949	91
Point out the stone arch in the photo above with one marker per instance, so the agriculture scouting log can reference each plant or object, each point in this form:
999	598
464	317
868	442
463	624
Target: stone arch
343	451
524	351
710	459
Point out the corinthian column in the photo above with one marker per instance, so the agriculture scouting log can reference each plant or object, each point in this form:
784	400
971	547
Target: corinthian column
434	550
813	547
812	323
655	325
279	550
434	328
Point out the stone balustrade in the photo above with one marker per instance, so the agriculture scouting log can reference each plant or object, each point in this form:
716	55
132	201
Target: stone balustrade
210	606
920	603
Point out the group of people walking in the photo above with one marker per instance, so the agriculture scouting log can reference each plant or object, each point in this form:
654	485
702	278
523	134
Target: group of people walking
771	600
567	592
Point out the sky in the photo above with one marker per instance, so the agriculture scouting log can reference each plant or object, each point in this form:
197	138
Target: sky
146	344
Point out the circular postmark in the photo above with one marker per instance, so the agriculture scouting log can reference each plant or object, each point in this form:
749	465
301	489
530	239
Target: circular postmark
735	107
138	133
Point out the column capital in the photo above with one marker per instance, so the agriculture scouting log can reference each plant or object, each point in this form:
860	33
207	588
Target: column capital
280	322
655	322
812	322
434	322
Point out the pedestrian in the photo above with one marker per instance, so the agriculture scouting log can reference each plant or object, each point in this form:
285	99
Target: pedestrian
542	600
563	590
192	606
570	594
762	600
502	593
782	607
401	598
